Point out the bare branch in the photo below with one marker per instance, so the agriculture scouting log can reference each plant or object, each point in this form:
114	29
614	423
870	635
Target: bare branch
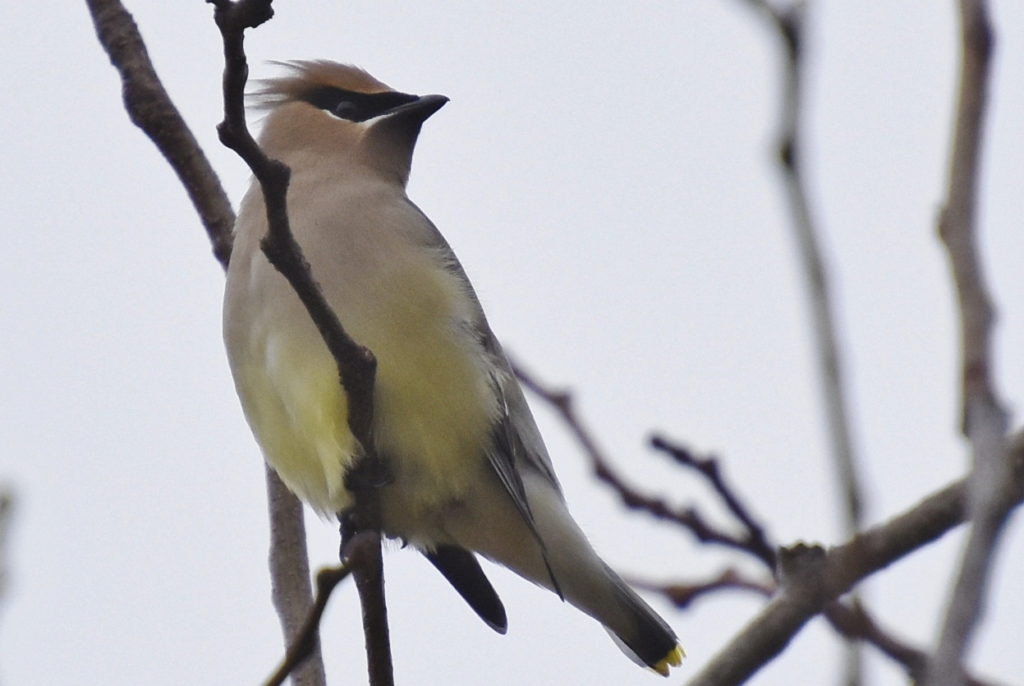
631	497
984	419
356	364
853	622
363	552
756	542
957	221
305	643
682	595
151	109
810	578
290	585
789	24
814	580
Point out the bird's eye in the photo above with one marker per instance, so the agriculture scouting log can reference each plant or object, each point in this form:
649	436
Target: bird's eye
346	110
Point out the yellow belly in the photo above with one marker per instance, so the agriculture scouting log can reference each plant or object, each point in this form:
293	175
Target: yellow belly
434	405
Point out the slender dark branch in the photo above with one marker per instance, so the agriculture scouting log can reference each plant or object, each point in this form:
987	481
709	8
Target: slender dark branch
151	109
682	595
356	364
363	552
850	620
306	642
854	622
757	542
631	497
815	580
811	580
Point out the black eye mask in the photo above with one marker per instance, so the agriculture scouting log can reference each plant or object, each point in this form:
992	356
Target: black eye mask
355	106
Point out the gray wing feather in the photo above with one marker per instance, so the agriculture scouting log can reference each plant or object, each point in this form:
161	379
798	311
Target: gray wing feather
509	453
516	443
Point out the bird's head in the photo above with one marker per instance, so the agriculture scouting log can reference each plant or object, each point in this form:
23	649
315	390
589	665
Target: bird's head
332	110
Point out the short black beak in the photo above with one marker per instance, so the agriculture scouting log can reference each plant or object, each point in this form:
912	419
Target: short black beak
419	110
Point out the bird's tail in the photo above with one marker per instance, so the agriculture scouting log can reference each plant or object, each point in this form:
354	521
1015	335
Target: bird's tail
565	563
585	581
637	629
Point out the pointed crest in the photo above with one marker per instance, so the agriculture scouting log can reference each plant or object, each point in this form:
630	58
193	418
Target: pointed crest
308	75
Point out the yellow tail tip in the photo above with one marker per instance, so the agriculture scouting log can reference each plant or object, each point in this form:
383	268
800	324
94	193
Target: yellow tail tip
673	659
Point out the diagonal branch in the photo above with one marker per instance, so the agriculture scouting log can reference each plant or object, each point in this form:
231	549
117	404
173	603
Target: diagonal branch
631	497
756	542
151	109
682	595
811	580
305	642
853	621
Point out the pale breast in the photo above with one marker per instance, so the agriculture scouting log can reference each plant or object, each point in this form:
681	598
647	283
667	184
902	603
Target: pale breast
434	405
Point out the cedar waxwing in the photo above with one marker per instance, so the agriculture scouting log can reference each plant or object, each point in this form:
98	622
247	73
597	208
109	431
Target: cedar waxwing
468	470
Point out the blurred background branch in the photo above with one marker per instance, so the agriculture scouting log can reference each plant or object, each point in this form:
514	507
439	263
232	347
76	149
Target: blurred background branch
984	418
6	510
788	21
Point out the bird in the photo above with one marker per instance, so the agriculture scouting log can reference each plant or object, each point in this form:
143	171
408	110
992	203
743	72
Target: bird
468	471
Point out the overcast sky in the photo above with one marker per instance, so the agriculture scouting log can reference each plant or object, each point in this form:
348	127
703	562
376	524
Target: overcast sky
604	171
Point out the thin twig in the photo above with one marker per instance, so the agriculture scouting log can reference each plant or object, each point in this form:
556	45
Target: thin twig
682	595
757	542
958	218
356	364
305	642
631	497
151	109
984	419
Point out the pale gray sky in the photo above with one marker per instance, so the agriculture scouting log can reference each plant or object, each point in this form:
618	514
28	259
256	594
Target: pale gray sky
604	171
